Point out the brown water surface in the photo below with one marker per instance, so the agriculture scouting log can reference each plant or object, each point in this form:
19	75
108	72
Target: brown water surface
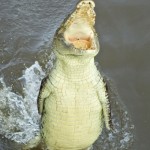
27	29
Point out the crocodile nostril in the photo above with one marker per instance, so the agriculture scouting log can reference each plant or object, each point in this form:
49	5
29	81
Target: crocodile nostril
86	2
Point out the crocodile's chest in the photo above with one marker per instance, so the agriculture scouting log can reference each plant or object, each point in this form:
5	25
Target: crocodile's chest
73	98
72	111
73	95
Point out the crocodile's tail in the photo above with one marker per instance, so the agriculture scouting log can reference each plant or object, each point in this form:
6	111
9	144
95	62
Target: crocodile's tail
32	143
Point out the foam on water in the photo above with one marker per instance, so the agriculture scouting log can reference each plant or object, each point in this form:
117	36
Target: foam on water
18	114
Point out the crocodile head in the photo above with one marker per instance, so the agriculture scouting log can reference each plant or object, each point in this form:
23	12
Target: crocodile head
77	35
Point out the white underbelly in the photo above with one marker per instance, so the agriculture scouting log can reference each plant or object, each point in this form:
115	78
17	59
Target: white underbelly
73	124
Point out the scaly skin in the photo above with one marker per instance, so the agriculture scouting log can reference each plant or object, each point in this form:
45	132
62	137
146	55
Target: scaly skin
73	100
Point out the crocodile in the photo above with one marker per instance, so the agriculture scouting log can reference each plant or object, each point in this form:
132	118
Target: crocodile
73	100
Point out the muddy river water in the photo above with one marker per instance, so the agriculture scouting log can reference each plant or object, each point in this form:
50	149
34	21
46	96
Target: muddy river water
26	31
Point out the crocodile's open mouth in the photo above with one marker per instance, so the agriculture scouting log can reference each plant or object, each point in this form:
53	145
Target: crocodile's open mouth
79	29
80	35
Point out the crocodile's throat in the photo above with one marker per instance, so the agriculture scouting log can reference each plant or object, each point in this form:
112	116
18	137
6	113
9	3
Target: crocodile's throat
80	35
78	30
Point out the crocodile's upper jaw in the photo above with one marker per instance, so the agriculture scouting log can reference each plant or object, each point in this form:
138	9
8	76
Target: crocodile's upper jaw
78	30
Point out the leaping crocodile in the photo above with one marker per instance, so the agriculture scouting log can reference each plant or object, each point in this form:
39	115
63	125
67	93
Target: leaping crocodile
73	101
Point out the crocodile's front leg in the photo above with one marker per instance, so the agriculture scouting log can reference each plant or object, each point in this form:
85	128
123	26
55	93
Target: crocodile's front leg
104	100
44	93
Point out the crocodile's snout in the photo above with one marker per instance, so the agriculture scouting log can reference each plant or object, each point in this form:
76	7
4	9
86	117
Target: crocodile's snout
85	2
78	30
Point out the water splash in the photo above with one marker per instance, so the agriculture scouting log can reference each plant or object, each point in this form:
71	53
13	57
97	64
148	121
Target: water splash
31	81
18	114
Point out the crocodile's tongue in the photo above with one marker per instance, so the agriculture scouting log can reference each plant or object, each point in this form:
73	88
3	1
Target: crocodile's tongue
79	34
82	44
79	27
